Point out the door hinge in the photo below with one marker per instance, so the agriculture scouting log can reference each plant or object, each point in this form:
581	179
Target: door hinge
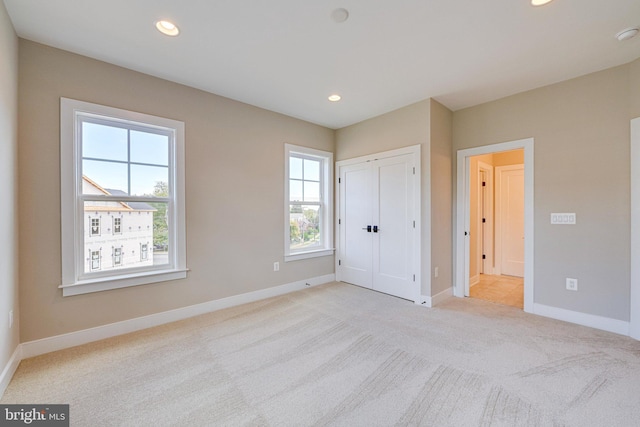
414	277
484	183
414	224
484	256
339	180
339	221
414	170
339	262
484	220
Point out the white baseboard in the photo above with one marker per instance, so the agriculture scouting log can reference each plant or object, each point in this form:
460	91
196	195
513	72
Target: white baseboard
72	339
10	369
430	302
598	322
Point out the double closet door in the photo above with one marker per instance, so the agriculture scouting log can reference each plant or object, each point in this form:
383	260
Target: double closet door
377	225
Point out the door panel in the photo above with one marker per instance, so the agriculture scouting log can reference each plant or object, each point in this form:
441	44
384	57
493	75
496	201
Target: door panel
512	222
392	245
355	214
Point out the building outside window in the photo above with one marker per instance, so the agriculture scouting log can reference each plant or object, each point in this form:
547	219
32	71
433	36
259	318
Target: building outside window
117	225
95	226
95	260
117	256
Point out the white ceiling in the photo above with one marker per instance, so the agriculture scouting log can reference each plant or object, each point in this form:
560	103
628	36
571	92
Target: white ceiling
289	55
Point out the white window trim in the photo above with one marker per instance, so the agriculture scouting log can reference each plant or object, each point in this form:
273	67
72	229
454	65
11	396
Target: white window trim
327	200
72	209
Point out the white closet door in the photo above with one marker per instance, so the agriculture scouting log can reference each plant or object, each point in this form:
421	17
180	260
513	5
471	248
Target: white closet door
376	225
392	214
355	217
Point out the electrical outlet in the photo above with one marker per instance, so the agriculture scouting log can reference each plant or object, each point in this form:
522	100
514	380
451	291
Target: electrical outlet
572	284
10	319
276	266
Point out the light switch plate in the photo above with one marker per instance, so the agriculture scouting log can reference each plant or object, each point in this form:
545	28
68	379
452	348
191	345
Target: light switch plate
563	218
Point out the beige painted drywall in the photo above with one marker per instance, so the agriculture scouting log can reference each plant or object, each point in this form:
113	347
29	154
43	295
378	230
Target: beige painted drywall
441	126
581	165
427	123
234	196
9	338
634	89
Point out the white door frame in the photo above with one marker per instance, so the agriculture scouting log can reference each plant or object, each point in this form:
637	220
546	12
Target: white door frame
417	241
487	242
634	319
461	284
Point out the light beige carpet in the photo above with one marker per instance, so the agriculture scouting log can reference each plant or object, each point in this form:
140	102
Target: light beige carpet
345	356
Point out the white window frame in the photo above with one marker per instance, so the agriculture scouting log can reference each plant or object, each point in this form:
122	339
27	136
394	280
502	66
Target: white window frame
326	203
74	279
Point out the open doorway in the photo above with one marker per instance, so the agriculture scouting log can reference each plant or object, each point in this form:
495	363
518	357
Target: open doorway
496	234
494	223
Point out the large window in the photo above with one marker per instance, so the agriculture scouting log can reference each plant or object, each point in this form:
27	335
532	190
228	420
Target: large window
308	203
117	168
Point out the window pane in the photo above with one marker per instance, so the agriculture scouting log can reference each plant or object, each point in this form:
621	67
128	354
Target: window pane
149	181
311	191
129	235
295	168
312	170
295	190
149	148
104	142
108	175
304	231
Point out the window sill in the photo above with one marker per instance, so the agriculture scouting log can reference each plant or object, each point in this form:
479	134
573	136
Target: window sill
310	254
127	280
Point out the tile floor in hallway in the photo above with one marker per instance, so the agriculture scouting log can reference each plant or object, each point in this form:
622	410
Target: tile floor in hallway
506	290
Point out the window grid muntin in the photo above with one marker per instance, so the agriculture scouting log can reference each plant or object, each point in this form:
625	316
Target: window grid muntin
129	127
81	198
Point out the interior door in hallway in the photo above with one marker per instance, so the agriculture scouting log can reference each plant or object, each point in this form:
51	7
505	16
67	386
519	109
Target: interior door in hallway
376	225
510	243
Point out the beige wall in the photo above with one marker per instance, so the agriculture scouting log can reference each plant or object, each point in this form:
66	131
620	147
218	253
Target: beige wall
441	121
634	88
9	338
581	165
234	200
428	124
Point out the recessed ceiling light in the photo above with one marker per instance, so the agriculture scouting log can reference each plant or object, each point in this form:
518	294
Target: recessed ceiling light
539	2
340	15
168	28
627	33
334	98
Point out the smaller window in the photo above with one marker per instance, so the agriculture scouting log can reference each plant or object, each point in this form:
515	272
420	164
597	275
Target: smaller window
117	256
117	225
95	226
144	252
308	203
95	260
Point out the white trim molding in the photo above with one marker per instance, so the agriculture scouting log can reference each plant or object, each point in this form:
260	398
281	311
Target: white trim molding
72	339
461	260
598	322
10	369
431	302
